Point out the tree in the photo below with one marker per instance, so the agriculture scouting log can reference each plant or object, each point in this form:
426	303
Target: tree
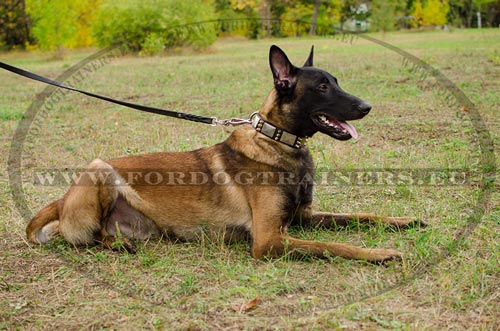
150	26
294	18
86	16
61	23
260	11
265	9
310	17
493	14
328	16
463	12
384	14
417	13
430	13
14	24
482	5
314	19
435	12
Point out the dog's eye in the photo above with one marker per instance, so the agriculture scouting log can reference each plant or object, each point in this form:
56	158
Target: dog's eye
323	87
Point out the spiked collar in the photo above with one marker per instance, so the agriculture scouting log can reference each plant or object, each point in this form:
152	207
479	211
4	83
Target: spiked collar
277	134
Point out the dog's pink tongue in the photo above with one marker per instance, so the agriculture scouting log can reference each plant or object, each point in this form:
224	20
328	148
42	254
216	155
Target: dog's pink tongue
351	129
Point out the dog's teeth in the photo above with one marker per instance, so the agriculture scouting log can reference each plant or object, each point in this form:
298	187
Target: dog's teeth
324	120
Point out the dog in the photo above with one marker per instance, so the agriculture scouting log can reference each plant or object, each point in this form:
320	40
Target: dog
122	199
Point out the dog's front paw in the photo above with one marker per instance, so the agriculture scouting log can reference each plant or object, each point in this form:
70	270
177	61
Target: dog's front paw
419	223
406	222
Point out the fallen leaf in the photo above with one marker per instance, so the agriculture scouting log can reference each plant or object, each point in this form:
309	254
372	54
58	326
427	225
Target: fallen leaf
243	308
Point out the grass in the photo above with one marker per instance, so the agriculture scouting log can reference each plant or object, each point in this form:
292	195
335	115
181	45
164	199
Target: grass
441	284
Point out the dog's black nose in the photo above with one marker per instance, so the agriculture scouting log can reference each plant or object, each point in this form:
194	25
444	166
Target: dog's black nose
364	107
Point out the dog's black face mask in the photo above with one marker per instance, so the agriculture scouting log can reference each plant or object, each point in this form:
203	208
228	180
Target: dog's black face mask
313	99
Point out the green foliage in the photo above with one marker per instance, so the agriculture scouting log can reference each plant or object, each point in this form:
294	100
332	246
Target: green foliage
151	25
248	5
430	12
14	24
463	12
228	27
384	14
435	12
86	13
299	13
296	16
61	23
53	20
417	12
328	15
238	10
154	44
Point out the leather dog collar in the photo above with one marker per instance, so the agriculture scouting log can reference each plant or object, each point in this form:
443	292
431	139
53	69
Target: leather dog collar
277	134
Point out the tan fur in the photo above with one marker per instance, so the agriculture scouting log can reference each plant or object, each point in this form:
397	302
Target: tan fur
94	211
44	218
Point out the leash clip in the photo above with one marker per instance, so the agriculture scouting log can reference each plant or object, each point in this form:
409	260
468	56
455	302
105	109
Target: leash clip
232	121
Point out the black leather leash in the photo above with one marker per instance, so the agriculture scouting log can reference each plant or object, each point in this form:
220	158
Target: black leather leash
165	112
257	122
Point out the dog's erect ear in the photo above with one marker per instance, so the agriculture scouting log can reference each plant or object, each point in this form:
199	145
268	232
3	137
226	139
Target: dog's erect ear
309	61
284	72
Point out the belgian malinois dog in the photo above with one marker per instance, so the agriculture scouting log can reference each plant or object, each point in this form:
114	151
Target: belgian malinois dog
206	191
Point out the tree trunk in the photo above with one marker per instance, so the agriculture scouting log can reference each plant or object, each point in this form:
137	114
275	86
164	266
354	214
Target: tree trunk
470	14
314	20
265	10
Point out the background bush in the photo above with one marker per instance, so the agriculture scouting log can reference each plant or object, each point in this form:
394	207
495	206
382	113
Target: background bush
151	25
61	23
384	14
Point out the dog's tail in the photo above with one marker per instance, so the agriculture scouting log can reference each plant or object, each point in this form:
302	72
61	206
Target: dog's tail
45	224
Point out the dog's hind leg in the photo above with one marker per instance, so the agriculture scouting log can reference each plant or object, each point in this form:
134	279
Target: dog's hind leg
87	202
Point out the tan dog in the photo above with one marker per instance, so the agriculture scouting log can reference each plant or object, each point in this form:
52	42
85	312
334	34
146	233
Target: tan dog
255	184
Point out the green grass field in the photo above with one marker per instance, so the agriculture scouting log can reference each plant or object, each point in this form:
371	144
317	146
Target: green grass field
449	278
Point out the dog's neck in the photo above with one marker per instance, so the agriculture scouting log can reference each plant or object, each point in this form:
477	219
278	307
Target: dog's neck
270	110
271	122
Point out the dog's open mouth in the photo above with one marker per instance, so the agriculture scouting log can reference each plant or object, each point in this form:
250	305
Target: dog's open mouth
337	129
